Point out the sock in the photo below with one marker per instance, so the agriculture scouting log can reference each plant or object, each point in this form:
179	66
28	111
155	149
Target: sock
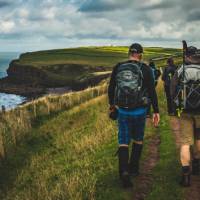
123	155
135	156
185	169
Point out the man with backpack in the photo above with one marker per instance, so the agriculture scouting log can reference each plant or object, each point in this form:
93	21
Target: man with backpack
185	90
168	73
130	89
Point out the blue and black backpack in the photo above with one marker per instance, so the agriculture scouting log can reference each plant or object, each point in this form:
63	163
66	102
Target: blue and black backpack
129	91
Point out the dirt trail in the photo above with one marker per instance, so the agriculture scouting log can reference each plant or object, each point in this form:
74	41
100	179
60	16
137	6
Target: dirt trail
193	192
144	181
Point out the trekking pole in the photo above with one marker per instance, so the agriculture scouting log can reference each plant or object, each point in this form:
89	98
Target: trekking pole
184	85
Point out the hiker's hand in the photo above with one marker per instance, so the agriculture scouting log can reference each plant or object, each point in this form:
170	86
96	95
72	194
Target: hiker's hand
156	119
113	112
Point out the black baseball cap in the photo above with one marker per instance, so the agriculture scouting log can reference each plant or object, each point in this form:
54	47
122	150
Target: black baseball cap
135	48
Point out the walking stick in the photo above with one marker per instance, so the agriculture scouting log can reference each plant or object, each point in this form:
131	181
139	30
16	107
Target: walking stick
184	85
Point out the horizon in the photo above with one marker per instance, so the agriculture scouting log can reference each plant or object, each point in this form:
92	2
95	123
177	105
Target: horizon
90	46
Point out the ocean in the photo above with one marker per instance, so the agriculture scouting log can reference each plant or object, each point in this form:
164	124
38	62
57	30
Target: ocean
8	100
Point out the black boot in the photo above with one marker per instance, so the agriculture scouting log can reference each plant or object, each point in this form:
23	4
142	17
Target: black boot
185	179
135	159
195	166
123	167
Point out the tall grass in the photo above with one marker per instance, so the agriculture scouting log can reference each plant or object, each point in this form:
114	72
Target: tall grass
15	124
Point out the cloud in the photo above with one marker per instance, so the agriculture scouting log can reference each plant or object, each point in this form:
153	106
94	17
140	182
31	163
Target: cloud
4	4
158	6
194	16
6	26
50	23
103	5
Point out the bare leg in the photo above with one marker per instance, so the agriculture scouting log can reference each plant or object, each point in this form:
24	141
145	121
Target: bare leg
185	155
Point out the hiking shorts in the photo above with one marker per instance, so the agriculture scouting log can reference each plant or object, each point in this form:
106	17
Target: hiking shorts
190	128
131	126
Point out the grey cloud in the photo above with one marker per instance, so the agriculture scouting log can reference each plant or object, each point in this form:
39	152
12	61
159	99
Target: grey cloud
111	21
160	6
4	4
103	5
194	16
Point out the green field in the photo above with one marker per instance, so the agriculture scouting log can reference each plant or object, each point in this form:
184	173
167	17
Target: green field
69	153
92	56
78	66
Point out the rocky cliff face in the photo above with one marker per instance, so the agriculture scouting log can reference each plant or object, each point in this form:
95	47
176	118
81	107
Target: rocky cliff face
25	74
29	80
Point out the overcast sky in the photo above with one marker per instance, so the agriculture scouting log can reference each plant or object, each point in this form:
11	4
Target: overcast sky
28	25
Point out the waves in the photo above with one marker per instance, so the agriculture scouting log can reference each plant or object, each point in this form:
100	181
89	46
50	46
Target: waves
8	100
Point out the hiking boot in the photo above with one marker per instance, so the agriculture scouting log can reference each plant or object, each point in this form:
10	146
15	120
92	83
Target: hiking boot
134	171
126	181
195	167
185	180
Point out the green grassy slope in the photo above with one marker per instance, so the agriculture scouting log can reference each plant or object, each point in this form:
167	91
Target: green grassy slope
71	156
92	56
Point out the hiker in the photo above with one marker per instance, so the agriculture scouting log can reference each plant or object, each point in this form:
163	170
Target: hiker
185	91
156	74
130	89
168	73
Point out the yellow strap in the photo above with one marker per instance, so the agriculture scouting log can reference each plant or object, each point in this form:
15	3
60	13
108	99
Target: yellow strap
179	111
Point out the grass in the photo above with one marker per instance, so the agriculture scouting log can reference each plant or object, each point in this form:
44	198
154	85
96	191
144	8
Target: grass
167	172
68	152
92	56
16	123
70	156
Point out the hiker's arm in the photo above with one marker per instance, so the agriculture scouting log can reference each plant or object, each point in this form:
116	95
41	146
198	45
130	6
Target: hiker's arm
111	87
151	90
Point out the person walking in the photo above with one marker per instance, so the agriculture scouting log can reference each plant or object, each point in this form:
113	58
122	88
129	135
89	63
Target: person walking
156	74
130	89
168	73
185	91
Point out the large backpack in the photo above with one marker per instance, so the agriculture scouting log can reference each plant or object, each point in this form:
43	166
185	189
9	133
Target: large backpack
191	86
129	82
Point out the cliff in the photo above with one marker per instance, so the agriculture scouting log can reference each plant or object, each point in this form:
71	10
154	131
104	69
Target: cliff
32	74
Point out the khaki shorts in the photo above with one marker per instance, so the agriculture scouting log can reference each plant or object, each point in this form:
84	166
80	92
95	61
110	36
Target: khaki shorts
189	128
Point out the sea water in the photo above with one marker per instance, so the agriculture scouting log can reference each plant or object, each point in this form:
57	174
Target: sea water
8	100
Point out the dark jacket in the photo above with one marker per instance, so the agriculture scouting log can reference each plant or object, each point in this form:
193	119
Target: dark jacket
168	74
148	84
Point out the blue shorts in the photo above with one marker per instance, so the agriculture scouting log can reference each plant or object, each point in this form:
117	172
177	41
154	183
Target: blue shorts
131	125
